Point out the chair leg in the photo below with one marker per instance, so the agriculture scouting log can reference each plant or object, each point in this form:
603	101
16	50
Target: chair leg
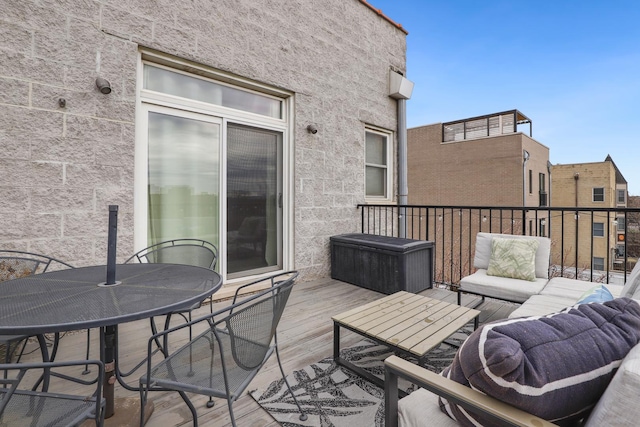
154	330
194	413
303	416
143	402
87	371
10	353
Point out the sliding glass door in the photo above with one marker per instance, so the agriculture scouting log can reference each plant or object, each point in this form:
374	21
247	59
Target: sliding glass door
183	177
254	200
213	162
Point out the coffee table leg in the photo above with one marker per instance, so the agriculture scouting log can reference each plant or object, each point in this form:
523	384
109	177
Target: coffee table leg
336	341
347	364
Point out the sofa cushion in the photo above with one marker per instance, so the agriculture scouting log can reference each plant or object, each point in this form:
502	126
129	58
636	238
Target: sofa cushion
483	251
620	401
541	305
524	361
571	288
632	284
514	258
501	287
597	294
415	409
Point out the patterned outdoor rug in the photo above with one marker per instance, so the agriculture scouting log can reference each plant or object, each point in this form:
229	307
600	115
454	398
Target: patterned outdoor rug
334	396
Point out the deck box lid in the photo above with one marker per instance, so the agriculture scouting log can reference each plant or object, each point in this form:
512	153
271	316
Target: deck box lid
395	244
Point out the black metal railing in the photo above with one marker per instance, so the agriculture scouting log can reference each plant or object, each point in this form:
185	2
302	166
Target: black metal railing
593	244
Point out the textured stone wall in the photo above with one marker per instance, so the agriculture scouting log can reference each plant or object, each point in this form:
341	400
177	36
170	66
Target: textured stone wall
62	166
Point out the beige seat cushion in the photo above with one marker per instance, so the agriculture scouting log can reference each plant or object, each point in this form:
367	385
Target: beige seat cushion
571	288
541	305
501	287
421	409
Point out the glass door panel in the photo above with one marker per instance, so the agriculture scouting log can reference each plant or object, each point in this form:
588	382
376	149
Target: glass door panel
254	200
183	180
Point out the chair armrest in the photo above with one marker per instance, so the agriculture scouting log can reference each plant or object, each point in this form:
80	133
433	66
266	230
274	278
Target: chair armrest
493	409
264	283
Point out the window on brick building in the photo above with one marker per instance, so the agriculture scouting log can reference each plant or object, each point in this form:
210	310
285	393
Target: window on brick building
598	229
622	196
377	165
598	263
598	194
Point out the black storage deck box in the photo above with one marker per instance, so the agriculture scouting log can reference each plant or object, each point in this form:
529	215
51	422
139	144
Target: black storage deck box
383	264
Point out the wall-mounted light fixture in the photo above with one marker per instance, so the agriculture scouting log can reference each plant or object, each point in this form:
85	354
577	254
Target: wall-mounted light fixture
103	85
312	129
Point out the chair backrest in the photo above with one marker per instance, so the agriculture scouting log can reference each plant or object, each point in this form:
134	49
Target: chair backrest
483	251
16	264
253	322
196	252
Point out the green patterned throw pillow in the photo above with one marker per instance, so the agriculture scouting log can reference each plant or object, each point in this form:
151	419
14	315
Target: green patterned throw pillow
513	258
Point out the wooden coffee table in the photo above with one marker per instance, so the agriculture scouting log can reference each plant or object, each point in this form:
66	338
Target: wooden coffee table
407	323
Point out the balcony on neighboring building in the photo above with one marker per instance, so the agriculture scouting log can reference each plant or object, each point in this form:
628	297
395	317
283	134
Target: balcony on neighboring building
483	126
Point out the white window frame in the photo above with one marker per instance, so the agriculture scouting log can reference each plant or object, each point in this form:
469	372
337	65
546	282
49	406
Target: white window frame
388	197
593	193
284	124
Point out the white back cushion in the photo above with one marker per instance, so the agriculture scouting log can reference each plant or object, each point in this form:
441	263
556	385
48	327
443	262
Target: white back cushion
483	251
633	280
618	406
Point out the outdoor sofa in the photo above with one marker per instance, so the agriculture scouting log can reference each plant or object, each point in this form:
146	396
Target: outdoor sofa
584	333
537	297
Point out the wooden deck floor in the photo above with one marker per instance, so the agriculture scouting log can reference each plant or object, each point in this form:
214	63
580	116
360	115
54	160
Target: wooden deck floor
305	336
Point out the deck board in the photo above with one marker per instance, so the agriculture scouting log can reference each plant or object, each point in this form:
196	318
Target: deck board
305	336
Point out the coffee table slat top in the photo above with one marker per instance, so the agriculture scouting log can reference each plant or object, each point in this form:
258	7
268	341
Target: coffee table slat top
414	311
366	308
435	339
407	321
435	325
385	313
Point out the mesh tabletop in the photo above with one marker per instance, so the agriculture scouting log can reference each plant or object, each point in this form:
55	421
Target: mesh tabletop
77	299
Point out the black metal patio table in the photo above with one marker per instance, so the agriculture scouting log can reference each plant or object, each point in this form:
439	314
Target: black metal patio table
77	299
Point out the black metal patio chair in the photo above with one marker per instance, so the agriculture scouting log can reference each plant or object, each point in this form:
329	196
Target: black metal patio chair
20	405
196	252
17	264
221	361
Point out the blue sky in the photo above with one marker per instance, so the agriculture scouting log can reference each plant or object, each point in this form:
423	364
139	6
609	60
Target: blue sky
572	67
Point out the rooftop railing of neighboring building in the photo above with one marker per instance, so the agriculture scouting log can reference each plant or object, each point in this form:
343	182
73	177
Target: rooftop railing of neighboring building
484	126
592	244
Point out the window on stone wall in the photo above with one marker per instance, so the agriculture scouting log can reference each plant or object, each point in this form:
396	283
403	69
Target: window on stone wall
378	173
598	194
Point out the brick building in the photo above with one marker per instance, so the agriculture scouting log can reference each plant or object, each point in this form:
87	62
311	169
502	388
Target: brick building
479	161
238	122
600	237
